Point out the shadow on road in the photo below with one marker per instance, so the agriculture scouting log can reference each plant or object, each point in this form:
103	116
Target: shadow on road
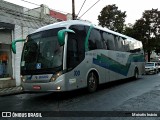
60	96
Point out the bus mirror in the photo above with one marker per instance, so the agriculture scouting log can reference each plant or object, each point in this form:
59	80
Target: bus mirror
61	35
14	44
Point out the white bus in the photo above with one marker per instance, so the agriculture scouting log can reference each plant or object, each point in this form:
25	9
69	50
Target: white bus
75	54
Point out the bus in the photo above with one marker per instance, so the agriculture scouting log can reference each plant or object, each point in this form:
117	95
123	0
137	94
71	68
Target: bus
76	54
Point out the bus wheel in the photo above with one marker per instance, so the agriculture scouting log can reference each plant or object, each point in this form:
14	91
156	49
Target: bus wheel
92	82
136	73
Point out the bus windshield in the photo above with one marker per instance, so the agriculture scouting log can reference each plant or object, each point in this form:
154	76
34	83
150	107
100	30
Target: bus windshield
42	52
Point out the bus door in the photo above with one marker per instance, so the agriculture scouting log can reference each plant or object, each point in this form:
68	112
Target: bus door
75	55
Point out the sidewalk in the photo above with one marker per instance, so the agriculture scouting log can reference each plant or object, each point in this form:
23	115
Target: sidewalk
10	91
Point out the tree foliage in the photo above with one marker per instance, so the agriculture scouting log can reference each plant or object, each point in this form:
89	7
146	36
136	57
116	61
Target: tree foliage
147	29
112	18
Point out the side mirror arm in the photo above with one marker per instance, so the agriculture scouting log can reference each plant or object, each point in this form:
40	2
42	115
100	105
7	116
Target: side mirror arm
14	44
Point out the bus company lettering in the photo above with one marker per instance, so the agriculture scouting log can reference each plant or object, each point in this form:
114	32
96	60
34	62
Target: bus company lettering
44	76
121	55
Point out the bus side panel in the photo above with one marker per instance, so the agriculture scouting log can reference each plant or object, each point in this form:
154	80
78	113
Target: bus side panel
76	78
110	66
118	65
100	64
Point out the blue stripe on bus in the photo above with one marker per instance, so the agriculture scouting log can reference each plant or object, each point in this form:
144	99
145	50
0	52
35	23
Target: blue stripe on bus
110	64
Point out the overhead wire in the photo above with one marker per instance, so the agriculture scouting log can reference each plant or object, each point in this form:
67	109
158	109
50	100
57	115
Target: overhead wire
81	7
40	5
30	2
89	8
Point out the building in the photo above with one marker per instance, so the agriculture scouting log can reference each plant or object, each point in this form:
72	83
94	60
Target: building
16	22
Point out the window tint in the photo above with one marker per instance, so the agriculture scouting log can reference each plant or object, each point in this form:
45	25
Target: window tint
126	46
95	40
116	38
104	40
121	44
111	44
133	46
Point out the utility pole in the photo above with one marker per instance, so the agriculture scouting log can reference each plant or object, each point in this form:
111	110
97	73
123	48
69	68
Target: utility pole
73	10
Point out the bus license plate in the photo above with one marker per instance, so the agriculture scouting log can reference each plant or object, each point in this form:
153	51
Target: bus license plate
36	87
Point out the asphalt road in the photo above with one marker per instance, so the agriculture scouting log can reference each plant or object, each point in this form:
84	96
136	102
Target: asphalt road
127	95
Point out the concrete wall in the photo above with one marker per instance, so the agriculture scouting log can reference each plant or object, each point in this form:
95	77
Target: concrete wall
20	32
25	23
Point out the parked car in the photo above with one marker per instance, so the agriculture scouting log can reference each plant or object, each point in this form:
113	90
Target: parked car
151	67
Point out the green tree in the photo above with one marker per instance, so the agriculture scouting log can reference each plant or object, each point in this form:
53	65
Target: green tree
112	18
147	30
148	26
129	31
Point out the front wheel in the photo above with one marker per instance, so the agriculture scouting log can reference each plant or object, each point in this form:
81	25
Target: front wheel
92	82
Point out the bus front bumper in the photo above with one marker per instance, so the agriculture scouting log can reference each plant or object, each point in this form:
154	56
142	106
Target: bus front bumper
42	87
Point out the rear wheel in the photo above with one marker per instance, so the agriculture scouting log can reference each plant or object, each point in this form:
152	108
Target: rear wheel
136	73
92	82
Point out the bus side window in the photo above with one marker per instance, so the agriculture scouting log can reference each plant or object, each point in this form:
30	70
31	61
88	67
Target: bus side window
95	40
126	46
105	38
116	42
111	42
121	44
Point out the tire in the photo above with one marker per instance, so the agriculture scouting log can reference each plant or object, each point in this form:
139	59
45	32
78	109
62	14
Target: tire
136	73
92	82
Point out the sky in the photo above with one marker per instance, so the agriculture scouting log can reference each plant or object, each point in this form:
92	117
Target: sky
133	8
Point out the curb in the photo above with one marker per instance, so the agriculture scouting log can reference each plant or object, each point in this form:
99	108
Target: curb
11	91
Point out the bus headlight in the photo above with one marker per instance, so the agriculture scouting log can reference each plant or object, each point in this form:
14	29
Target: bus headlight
23	78
54	77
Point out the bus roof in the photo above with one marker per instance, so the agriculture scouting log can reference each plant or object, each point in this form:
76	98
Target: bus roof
68	23
63	24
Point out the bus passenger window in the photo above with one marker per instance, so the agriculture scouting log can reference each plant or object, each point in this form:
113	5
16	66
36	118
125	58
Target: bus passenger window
121	44
105	39
126	46
111	43
116	42
95	40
